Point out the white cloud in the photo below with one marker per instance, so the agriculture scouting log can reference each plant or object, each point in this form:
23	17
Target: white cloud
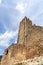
6	37
0	1
15	41
21	7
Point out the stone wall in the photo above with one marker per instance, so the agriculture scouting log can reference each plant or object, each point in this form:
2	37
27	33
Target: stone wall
24	29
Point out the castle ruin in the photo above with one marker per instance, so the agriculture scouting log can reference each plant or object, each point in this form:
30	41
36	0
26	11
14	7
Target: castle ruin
29	43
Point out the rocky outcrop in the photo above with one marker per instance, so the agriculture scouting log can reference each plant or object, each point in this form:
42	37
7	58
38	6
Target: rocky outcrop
33	61
29	43
0	59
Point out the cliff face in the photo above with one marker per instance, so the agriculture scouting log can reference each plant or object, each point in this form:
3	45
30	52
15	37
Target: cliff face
29	43
0	59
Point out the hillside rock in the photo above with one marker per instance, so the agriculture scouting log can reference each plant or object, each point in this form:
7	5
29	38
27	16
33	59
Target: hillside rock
29	43
0	59
33	61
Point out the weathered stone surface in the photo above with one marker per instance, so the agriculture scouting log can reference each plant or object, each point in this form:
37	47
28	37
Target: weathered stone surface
33	61
29	43
0	59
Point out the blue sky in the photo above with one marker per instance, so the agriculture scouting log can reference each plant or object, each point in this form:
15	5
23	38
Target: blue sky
11	13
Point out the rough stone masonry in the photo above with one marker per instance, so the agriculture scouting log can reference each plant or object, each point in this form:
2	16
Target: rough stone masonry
29	43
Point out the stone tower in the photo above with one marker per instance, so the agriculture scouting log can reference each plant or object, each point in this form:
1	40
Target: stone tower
24	27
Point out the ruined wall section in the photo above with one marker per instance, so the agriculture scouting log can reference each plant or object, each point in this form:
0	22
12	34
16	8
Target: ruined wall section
36	34
24	30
